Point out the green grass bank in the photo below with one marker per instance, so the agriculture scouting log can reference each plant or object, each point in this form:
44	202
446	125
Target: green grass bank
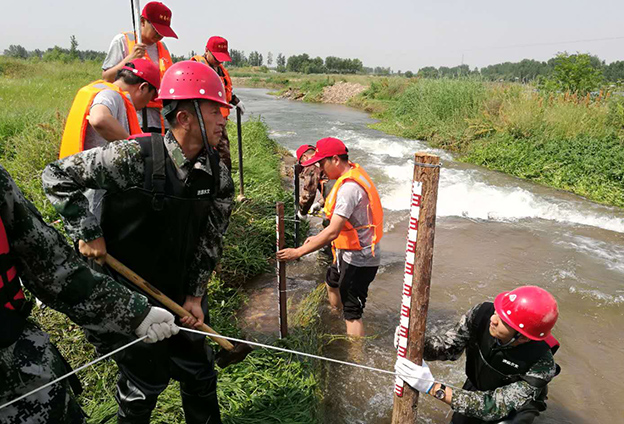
557	140
34	99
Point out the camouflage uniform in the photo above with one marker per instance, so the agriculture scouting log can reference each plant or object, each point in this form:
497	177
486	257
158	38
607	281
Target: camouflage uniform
51	270
311	180
145	371
450	343
224	149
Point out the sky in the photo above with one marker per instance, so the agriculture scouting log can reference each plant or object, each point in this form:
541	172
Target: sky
401	34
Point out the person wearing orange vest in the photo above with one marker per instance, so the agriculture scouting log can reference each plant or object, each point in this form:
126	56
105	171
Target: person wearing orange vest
155	24
355	229
215	54
35	255
103	112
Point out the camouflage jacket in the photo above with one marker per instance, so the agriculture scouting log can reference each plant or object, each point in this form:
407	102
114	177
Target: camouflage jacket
449	344
311	180
50	269
119	166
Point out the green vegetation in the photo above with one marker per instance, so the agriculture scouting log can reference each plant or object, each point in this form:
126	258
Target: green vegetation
36	97
562	140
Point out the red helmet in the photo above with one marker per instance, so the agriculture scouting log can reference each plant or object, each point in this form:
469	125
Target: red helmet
145	69
192	80
302	149
530	310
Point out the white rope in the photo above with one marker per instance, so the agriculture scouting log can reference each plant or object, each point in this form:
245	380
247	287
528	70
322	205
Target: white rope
322	358
74	371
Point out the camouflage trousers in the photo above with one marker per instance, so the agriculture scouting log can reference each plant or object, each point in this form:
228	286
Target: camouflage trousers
224	150
27	364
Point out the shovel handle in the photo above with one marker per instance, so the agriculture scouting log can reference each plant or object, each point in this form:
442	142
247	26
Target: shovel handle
158	295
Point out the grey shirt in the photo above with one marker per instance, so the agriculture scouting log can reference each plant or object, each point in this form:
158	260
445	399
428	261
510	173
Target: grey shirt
352	203
114	102
117	51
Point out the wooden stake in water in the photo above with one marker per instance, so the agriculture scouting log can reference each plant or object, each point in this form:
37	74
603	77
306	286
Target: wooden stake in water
296	172
417	279
281	270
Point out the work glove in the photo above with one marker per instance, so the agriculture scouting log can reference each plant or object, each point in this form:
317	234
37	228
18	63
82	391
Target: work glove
417	376
302	217
158	325
241	106
316	207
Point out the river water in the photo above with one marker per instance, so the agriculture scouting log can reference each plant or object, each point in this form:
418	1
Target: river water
493	233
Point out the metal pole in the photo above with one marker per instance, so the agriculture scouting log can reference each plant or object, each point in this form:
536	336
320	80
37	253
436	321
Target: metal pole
137	13
297	171
417	279
281	270
239	130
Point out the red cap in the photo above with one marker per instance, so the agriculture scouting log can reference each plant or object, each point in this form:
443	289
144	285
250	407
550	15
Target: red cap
218	46
326	148
302	149
145	69
159	16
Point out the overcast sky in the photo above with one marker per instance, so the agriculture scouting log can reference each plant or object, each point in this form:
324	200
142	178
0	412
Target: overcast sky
402	34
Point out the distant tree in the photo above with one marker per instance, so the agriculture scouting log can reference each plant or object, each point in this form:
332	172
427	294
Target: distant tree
409	74
578	73
378	70
238	58
428	72
73	49
280	61
270	59
614	71
16	51
255	59
336	65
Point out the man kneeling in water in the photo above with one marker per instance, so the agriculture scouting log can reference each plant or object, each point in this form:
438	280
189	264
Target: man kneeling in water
509	359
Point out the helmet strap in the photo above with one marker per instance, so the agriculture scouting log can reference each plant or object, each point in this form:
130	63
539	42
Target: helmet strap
213	156
512	341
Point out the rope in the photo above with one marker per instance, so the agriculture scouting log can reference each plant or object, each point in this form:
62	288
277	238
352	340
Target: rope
73	372
309	355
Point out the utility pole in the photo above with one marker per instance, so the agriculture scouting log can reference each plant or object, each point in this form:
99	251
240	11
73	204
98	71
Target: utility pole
417	279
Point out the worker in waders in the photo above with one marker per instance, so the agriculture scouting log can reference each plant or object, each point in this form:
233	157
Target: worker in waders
37	256
167	206
509	359
155	24
355	229
103	112
215	54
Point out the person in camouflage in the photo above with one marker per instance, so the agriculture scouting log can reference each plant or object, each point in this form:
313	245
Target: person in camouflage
38	256
311	179
166	209
509	358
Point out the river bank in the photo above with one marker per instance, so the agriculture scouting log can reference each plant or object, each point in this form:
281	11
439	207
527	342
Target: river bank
35	98
559	141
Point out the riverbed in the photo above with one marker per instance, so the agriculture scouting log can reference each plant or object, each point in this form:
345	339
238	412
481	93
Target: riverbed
493	233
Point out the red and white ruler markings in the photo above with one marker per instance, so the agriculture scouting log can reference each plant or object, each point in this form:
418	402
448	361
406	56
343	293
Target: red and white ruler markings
408	275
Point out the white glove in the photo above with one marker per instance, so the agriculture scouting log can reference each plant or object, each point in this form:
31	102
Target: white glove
241	106
316	207
417	376
158	325
302	217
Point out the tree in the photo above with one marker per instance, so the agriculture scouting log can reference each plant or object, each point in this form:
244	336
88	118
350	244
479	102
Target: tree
578	73
409	74
270	59
255	59
428	72
238	58
73	49
614	72
281	63
16	51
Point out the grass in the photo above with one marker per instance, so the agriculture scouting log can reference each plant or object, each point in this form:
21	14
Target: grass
35	98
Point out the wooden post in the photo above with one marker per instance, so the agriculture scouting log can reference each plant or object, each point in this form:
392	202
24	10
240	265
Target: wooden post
417	278
239	130
281	270
296	172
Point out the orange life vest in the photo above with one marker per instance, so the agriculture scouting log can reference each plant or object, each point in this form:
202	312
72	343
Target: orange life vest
77	120
348	238
225	77
11	294
164	63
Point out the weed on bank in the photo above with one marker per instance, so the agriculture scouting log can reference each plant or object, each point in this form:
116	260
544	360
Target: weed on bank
267	387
